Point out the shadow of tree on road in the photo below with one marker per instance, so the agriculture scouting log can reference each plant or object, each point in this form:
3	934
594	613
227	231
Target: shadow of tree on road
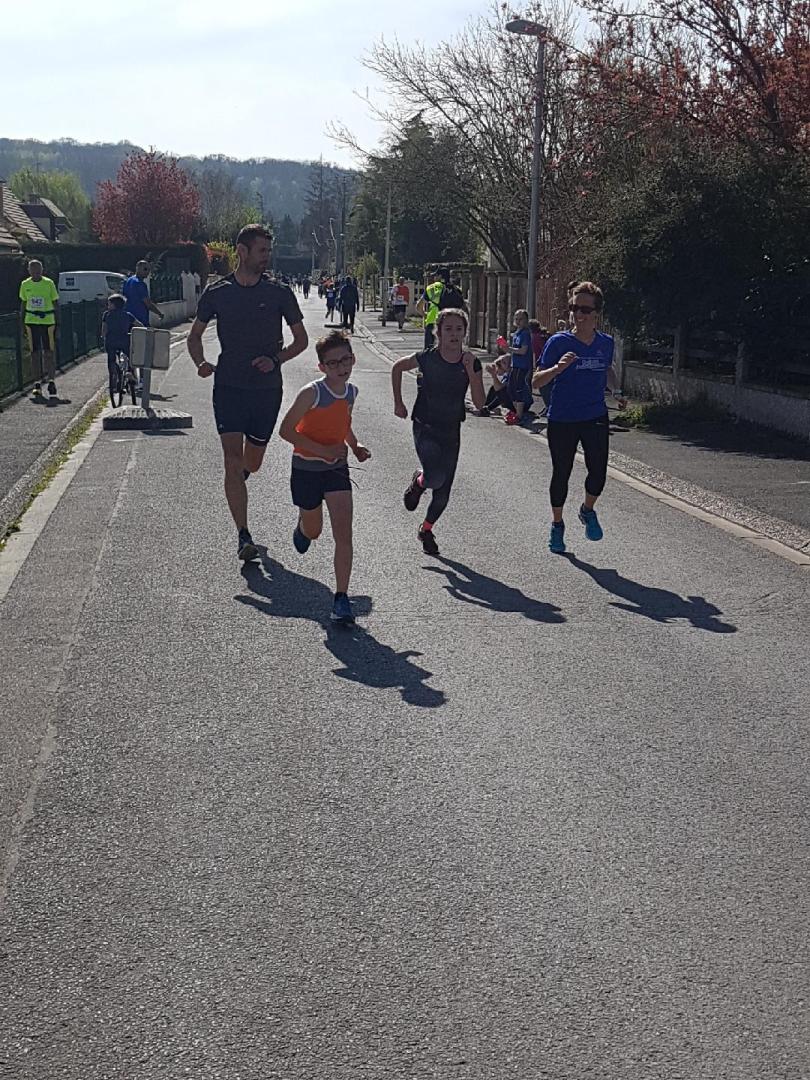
287	595
464	583
657	604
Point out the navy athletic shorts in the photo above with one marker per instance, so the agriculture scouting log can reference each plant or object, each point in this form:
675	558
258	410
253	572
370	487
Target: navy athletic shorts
309	486
253	413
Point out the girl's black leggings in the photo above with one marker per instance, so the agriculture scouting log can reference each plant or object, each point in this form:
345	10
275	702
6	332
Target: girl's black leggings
563	439
438	456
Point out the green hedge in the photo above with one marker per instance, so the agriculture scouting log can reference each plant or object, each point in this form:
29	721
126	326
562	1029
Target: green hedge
12	272
120	258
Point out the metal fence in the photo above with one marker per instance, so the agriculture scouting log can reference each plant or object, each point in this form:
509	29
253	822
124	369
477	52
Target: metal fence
78	333
164	288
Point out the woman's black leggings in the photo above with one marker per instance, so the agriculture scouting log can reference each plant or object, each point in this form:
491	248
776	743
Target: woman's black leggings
438	456
497	396
563	439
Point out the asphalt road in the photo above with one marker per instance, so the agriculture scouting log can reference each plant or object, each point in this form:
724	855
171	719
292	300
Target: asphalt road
534	817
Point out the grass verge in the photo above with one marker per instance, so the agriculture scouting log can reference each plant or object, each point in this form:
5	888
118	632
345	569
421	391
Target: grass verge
655	414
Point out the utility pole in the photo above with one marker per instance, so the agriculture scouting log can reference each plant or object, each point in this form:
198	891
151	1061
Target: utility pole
532	29
340	250
384	285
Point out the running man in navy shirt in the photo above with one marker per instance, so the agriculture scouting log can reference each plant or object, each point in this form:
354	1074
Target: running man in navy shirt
248	307
578	364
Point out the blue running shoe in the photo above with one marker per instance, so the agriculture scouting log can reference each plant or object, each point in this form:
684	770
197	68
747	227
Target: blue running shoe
556	540
342	610
593	530
301	542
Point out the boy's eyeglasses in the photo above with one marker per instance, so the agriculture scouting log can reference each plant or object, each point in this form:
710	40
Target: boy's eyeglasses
339	361
581	309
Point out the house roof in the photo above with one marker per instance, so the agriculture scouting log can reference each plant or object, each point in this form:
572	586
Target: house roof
8	245
15	219
51	207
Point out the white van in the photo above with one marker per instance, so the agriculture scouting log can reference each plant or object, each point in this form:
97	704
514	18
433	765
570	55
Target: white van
79	285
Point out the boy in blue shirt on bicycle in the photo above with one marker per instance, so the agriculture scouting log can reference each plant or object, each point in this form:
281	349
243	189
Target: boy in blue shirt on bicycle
116	323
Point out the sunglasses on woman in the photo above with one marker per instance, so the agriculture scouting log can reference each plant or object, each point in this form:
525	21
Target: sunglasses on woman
580	309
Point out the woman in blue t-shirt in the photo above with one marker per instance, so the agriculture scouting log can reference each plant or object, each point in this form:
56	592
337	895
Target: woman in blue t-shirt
578	364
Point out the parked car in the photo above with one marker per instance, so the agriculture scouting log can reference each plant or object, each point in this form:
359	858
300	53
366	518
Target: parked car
76	285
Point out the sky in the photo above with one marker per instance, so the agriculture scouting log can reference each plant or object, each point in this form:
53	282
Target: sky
245	78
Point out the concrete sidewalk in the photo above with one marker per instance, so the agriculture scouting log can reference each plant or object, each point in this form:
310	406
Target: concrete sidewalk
745	474
33	434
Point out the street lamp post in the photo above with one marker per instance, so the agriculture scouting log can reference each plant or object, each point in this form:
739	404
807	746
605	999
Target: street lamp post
384	285
533	29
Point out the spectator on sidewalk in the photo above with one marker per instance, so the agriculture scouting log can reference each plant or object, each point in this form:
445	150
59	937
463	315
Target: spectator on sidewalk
136	293
429	304
139	303
521	363
39	299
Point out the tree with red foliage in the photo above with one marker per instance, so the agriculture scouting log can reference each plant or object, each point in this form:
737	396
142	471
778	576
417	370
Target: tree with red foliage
151	201
738	72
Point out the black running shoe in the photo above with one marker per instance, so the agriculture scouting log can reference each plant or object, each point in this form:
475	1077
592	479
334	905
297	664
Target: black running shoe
429	545
52	388
36	393
300	541
414	492
246	549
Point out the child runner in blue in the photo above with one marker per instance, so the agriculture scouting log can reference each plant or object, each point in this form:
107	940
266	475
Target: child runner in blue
578	364
522	361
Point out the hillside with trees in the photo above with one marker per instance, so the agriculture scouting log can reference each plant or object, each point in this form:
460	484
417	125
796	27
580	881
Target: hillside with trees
281	186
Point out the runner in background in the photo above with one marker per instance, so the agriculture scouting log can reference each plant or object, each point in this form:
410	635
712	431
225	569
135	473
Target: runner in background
400	298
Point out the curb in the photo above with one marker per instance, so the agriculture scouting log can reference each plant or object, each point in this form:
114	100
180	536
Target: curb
13	504
772	533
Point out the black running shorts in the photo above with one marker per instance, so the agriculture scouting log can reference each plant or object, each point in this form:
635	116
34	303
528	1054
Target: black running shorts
40	338
253	413
310	485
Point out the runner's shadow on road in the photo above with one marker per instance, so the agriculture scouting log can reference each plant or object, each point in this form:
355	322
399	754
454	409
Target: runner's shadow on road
477	589
660	605
287	595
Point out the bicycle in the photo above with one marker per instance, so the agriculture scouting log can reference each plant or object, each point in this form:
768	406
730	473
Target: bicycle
124	382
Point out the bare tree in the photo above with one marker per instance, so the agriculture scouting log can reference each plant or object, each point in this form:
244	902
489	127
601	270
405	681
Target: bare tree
479	89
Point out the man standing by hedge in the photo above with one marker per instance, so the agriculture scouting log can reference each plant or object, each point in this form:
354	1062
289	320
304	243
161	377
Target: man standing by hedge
248	307
139	303
40	299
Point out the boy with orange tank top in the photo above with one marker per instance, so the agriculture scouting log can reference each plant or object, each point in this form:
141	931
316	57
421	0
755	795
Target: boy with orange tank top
319	426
